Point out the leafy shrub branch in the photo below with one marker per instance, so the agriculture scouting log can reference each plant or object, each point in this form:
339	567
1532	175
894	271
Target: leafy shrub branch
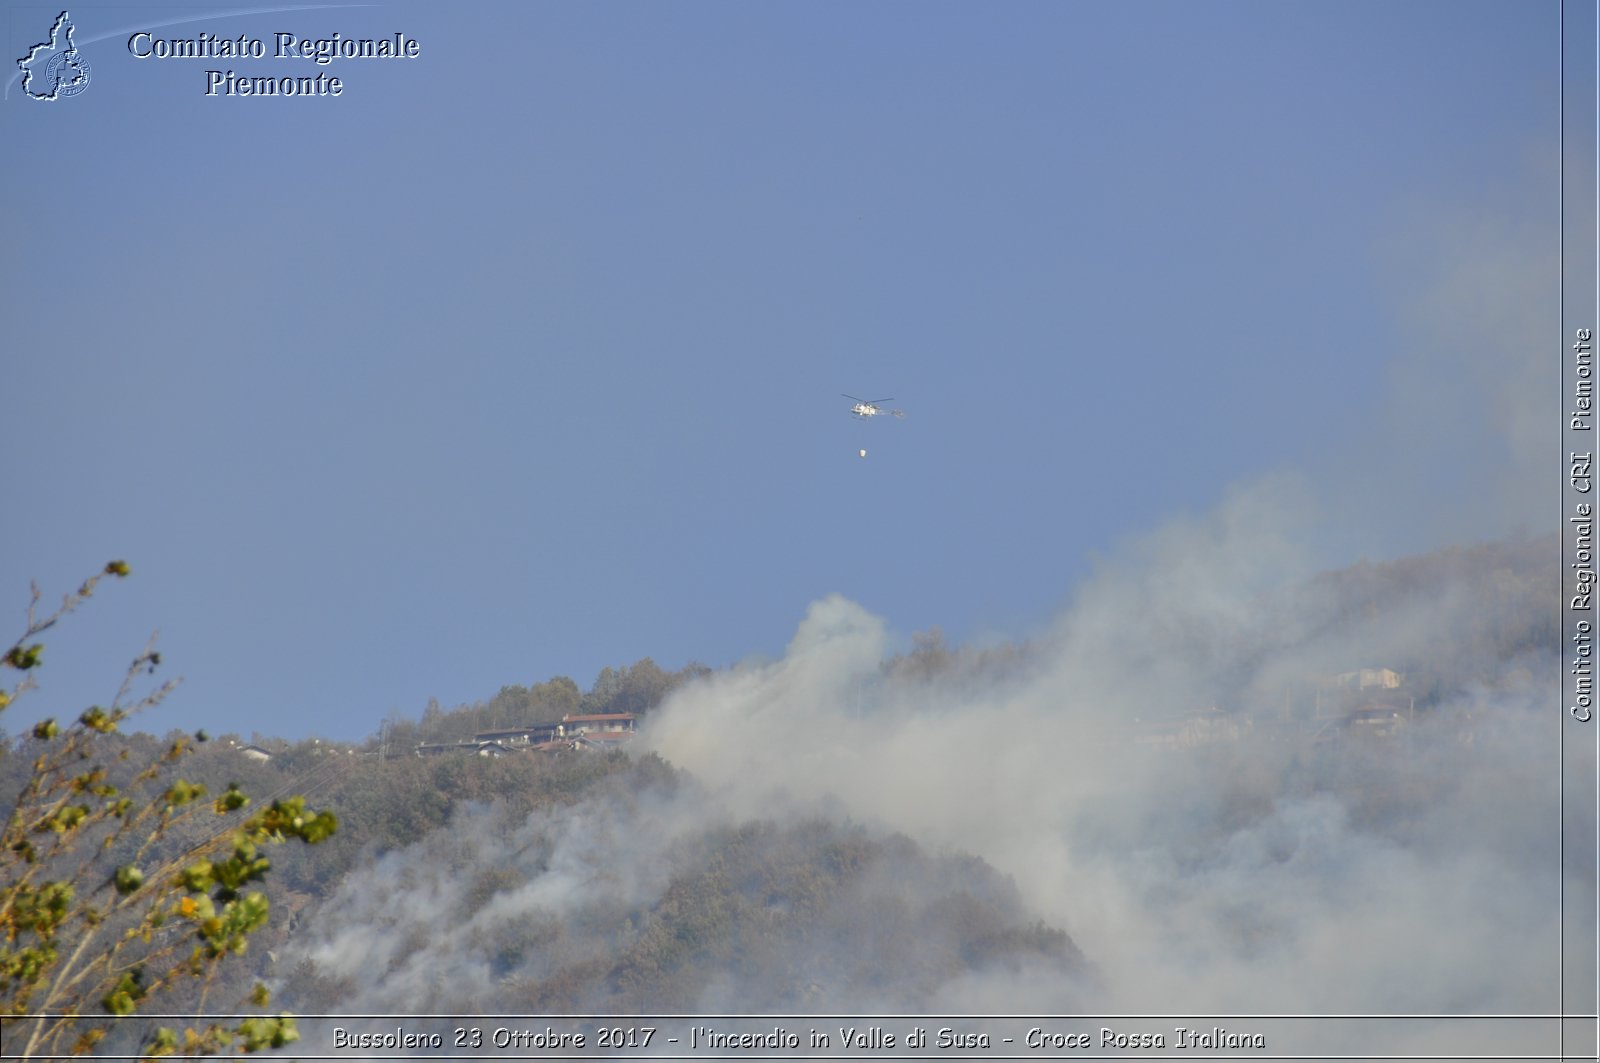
119	881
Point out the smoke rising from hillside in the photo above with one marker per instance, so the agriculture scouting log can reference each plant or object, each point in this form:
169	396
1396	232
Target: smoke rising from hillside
1417	873
1221	879
1261	872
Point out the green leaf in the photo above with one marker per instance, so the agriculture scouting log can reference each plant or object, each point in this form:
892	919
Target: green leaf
22	658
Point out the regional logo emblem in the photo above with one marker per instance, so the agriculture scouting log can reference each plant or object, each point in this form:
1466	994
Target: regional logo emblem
55	69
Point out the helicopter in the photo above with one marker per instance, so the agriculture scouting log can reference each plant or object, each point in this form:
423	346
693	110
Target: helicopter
871	409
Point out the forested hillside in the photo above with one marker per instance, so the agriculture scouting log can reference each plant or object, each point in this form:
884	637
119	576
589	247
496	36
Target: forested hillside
616	881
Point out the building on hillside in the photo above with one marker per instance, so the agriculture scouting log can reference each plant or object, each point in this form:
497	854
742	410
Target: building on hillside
527	735
433	749
598	723
599	740
1381	716
1369	678
1338	696
605	730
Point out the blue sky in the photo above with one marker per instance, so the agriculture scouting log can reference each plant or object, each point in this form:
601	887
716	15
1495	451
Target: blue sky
524	357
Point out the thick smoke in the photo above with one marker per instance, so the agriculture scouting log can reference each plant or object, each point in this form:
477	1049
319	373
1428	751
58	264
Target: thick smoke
1419	874
442	925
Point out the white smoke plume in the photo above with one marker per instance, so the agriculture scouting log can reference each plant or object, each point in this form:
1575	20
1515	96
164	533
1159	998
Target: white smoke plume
1221	879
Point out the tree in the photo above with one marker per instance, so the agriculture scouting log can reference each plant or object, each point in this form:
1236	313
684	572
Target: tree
607	687
643	687
929	657
119	881
556	697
